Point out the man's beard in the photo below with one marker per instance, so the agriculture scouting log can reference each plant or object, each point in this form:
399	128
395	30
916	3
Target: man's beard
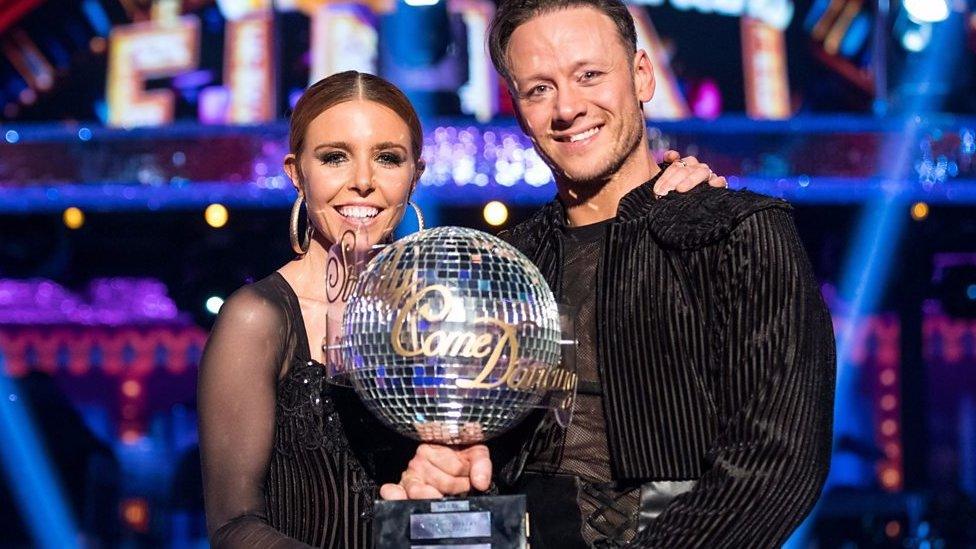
593	182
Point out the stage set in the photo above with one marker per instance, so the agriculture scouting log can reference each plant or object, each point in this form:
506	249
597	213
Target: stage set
141	182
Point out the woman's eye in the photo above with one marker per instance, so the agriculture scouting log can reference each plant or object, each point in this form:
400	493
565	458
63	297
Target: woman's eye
332	158
390	158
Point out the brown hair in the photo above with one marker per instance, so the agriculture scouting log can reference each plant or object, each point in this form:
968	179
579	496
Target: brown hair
513	13
346	86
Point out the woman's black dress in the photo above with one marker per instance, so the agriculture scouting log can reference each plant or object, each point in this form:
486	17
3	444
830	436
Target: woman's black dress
288	460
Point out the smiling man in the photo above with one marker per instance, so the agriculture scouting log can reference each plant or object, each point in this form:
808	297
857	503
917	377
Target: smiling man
706	353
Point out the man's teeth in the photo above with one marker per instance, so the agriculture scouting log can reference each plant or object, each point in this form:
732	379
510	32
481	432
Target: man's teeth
581	136
359	212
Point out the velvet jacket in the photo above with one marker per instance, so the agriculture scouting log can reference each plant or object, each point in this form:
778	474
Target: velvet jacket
716	358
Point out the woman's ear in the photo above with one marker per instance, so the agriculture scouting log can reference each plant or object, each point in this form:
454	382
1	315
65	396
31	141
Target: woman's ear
421	166
294	172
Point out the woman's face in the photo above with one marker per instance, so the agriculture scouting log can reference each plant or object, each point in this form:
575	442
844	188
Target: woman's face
356	170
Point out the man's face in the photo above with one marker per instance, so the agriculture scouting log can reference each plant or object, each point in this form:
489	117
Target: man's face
578	92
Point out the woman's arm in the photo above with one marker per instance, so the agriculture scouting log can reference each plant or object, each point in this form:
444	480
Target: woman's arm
236	400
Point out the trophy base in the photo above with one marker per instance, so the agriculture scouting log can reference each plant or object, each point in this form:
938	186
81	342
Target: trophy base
484	522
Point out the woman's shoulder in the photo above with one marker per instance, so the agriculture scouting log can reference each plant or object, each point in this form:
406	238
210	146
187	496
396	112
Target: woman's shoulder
263	305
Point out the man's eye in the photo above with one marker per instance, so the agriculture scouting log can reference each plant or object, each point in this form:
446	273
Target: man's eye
589	75
538	90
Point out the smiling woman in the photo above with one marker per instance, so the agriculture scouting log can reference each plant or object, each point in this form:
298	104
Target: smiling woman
355	156
288	460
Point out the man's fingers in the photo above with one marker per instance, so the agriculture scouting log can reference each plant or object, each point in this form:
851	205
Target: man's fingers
719	182
419	490
443	482
392	492
672	156
443	458
481	469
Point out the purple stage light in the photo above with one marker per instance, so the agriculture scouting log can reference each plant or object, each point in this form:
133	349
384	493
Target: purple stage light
107	302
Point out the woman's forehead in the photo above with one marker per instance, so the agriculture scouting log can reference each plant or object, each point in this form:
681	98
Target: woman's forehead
359	119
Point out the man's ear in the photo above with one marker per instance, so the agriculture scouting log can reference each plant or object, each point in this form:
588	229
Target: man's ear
294	172
644	83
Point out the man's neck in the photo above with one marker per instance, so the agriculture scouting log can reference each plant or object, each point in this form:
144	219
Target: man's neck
592	202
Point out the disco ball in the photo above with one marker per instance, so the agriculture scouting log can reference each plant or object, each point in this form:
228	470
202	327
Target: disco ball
452	336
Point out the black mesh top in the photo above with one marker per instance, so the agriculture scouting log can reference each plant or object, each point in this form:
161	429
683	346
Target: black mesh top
608	511
288	460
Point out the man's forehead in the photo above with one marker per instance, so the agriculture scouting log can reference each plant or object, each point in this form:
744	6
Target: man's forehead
562	40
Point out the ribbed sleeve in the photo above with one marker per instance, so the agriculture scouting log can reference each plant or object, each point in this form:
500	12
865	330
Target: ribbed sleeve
771	369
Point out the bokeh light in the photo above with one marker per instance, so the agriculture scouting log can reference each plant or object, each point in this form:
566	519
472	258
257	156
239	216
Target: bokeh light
495	213
216	215
73	218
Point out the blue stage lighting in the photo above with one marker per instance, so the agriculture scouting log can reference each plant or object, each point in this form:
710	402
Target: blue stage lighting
916	36
869	264
29	474
927	11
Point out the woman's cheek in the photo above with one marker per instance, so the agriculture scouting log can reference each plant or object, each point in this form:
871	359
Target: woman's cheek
395	186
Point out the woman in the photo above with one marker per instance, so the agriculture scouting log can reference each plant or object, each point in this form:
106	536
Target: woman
287	460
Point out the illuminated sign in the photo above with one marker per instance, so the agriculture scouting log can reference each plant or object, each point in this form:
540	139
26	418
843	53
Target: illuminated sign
479	96
142	51
344	37
668	102
777	13
764	64
249	69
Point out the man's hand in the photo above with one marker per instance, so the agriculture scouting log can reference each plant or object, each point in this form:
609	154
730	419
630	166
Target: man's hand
685	174
438	471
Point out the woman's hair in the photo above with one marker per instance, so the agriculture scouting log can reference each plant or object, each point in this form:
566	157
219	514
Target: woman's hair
346	86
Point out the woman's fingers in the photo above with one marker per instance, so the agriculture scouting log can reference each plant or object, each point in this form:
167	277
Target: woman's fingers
684	174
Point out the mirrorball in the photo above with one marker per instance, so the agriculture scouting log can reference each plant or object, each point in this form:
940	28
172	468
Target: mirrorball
446	331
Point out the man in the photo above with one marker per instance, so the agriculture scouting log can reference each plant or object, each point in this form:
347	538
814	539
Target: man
705	349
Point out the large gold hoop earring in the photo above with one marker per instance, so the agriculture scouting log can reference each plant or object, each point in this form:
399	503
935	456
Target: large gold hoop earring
299	246
419	214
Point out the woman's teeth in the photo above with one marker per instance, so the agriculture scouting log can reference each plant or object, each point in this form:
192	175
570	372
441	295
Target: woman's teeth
358	212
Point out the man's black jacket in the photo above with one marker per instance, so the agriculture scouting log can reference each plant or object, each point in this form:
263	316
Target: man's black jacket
717	358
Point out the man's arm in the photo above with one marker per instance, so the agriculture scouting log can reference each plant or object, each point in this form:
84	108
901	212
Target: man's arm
772	378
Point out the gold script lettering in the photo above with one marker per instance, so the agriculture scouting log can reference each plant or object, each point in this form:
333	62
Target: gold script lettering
496	340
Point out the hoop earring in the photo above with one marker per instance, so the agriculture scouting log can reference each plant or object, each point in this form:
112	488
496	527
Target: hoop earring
300	247
419	214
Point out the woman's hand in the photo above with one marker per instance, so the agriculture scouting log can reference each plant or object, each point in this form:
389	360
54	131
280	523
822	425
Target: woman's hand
437	471
685	174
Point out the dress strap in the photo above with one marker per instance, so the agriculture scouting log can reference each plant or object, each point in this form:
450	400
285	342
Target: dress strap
296	318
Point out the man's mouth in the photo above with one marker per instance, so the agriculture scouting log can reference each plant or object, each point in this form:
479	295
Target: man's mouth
358	213
584	135
581	136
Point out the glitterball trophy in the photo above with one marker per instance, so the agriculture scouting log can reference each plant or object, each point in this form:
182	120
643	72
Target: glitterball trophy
451	336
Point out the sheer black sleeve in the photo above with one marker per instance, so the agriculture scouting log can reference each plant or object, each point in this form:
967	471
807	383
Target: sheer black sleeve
236	395
773	378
